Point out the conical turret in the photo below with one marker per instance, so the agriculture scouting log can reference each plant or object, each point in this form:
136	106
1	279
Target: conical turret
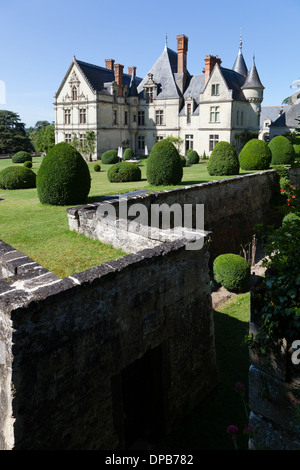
240	65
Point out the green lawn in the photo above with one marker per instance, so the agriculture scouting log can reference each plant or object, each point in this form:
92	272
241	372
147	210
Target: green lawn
42	232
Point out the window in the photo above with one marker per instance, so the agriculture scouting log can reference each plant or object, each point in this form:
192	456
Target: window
141	142
213	140
189	142
149	95
81	140
188	113
159	117
67	116
159	137
242	118
74	93
82	116
134	118
237	117
115	117
141	118
215	89
215	114
68	138
125	118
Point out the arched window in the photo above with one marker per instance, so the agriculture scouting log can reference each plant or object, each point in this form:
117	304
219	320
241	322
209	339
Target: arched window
74	93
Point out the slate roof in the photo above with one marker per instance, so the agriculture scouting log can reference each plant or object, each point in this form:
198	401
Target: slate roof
163	75
98	77
253	80
235	82
240	66
288	117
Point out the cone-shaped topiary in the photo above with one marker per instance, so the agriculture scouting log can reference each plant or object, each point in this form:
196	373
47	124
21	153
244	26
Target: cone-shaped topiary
255	155
63	177
164	165
21	157
128	154
16	177
232	272
223	160
123	172
110	157
283	152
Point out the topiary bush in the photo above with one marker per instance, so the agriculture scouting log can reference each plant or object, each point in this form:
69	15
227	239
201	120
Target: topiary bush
16	177
123	172
110	157
183	160
27	164
63	177
255	155
164	165
283	152
223	160
232	272
21	157
128	154
192	157
97	167
297	151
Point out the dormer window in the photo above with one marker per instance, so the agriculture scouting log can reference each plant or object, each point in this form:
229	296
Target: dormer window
150	89
74	93
215	89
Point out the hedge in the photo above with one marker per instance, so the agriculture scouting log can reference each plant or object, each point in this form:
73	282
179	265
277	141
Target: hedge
255	155
123	172
283	152
164	166
16	177
223	160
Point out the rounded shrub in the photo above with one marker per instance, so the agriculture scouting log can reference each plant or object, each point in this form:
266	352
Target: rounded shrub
183	160
283	152
16	177
97	167
192	157
21	157
123	172
232	272
164	165
255	155
27	164
63	177
128	154
223	160
297	151
109	157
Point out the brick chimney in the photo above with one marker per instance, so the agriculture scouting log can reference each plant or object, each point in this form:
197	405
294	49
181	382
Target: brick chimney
132	70
109	64
210	62
182	47
119	78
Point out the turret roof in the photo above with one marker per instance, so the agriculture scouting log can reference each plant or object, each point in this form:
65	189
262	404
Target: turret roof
253	80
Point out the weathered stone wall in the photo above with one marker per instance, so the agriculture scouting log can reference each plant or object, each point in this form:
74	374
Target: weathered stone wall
232	208
274	391
65	342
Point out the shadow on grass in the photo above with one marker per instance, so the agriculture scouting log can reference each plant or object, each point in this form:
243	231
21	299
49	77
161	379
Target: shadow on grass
205	428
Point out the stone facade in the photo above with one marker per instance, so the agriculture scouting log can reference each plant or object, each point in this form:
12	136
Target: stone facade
123	109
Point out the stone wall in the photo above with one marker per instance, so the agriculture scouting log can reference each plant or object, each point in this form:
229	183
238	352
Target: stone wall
70	348
274	390
232	208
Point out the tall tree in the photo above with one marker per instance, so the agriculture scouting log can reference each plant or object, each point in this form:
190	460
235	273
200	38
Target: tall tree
13	137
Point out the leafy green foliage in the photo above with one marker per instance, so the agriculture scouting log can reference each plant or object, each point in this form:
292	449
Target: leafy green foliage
42	136
27	164
255	155
13	136
21	157
164	165
232	272
183	160
110	157
192	157
283	152
97	167
223	160
124	172
63	177
16	177
128	154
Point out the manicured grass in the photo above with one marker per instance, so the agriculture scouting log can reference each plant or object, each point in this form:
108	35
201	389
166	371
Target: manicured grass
42	233
205	428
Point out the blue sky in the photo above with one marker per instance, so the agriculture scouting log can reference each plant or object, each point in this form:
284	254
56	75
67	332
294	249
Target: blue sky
39	40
